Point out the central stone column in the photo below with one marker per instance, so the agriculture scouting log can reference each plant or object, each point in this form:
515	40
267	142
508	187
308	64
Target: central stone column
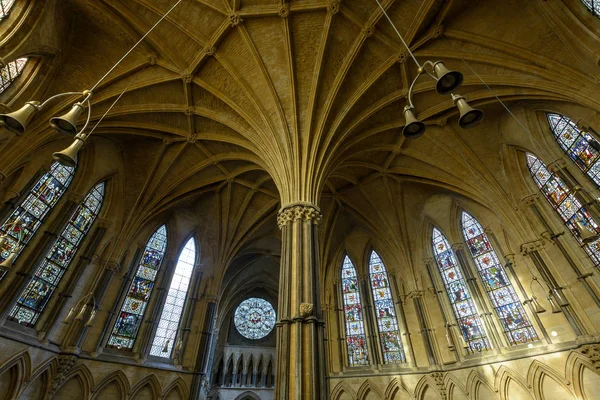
300	364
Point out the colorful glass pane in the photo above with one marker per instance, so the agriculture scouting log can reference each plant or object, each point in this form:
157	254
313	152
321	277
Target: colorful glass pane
45	280
512	315
30	213
353	312
593	6
458	293
580	146
567	206
254	318
12	70
130	317
166	332
389	335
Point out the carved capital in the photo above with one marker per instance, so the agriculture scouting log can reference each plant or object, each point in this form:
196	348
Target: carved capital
428	260
401	57
534	245
457	246
186	77
298	211
557	165
306	309
192	138
592	352
234	19
65	364
530	199
75	197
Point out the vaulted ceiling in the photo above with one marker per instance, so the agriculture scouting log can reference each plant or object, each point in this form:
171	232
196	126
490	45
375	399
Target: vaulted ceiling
295	100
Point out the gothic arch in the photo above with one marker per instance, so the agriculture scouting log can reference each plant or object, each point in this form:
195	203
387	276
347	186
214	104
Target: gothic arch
535	379
366	388
575	368
14	373
452	384
116	377
150	382
176	386
247	393
341	389
474	383
426	383
396	389
79	375
504	377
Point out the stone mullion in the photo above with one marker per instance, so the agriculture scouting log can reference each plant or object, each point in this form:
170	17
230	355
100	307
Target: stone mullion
35	255
340	316
370	321
84	260
409	352
300	353
204	356
495	335
146	333
445	307
425	330
586	198
555	238
112	317
189	309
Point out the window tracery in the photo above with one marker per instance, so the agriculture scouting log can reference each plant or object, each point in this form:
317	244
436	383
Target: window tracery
570	210
580	146
11	71
254	318
593	6
509	309
29	214
353	313
166	332
46	278
385	312
465	311
5	6
132	312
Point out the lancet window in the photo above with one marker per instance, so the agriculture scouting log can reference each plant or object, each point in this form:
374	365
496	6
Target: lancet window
467	318
29	214
385	312
580	146
46	278
354	316
509	309
593	6
571	211
12	70
130	317
168	325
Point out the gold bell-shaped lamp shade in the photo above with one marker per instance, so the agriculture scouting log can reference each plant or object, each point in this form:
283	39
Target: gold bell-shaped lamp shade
537	306
68	156
9	262
560	298
67	123
91	318
469	116
447	81
16	122
586	235
413	128
555	307
69	318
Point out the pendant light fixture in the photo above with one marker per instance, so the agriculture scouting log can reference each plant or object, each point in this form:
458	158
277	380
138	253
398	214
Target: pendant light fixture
17	121
555	298
79	310
447	82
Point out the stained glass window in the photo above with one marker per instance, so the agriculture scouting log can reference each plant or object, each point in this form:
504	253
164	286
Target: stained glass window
353	312
46	278
168	324
510	311
468	320
387	324
566	205
11	71
580	146
5	6
593	6
132	312
254	318
29	214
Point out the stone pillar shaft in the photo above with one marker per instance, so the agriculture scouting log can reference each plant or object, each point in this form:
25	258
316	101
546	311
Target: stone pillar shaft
300	364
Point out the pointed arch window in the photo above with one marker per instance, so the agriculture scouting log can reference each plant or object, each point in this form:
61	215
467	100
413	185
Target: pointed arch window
46	278
29	214
508	307
467	318
385	312
354	317
5	6
593	6
11	71
565	204
130	318
166	332
580	146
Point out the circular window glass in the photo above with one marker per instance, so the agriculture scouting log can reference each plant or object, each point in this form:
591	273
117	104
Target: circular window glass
254	318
